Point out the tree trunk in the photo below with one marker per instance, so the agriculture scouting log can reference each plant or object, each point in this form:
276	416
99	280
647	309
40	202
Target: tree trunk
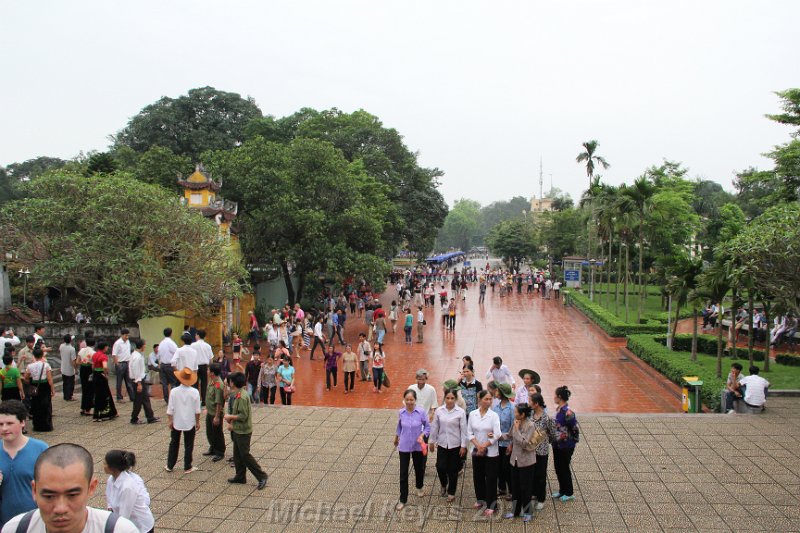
616	282
608	271
694	333
719	344
732	328
767	343
641	265
751	335
287	280
627	275
675	323
301	285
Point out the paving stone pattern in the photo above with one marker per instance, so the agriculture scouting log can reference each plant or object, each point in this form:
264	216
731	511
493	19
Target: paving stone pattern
334	469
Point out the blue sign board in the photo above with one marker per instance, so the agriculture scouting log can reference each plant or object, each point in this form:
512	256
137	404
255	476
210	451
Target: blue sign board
572	275
467	263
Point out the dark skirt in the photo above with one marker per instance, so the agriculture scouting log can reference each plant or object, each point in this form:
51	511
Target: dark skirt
87	389
11	393
104	408
42	408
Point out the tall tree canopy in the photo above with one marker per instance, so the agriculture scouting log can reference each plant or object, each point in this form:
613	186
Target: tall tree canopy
204	119
514	241
117	246
462	225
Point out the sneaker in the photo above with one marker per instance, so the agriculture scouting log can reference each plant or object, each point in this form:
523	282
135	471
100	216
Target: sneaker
539	506
168	469
731	411
556	495
566	498
208	453
189	471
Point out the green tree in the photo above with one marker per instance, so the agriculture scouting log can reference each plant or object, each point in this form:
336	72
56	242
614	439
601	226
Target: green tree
638	198
305	208
560	231
790	103
117	246
101	163
589	157
683	277
204	119
161	166
713	284
461	225
514	241
33	168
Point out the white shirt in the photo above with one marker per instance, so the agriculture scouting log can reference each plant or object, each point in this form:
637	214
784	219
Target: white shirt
166	351
479	427
184	404
449	428
420	317
152	359
121	350
12	340
755	393
137	369
426	397
500	375
185	357
204	352
37	338
67	352
128	497
318	330
95	523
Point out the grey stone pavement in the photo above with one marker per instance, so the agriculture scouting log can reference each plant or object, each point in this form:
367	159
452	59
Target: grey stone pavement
336	470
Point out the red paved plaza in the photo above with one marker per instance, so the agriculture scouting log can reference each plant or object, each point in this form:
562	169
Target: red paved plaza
527	332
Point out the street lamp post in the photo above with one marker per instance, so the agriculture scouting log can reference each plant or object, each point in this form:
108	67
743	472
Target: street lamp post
24	274
591	278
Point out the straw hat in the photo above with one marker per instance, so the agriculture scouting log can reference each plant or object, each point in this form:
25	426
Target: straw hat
535	379
186	376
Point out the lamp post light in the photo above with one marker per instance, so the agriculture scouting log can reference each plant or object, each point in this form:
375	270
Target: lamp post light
24	274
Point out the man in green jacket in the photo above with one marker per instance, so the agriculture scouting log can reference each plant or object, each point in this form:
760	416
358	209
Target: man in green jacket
240	423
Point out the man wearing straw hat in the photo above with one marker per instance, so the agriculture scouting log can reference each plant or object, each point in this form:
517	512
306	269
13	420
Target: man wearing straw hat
183	410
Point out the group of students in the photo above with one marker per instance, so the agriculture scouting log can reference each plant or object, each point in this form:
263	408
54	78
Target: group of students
508	434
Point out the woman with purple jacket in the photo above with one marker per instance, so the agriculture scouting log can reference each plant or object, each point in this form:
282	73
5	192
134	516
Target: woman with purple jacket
412	428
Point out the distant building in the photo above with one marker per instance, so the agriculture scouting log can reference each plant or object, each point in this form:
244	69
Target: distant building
540	205
200	192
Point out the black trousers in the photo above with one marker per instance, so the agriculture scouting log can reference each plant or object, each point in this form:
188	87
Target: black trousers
188	448
87	388
67	386
504	471
317	342
243	460
453	322
328	373
349	380
267	395
215	437
142	399
168	379
121	370
521	485
561	460
540	478
419	472
286	397
448	463
202	381
484	477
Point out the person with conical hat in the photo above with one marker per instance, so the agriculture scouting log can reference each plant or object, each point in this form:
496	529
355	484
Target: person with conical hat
529	377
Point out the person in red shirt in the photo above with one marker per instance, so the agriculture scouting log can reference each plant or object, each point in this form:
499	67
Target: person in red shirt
253	335
104	408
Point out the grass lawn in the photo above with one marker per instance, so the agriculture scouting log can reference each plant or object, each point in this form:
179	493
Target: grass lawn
652	304
779	376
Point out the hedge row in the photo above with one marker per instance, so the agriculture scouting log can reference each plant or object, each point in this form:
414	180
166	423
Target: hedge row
662	316
787	359
608	321
707	345
675	365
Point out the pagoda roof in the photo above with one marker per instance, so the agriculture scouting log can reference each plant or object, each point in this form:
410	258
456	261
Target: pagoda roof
199	180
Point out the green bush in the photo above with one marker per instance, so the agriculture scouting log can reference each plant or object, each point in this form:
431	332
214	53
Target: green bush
787	359
706	345
663	318
608	321
675	365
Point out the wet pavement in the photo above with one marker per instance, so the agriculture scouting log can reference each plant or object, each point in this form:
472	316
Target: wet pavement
527	331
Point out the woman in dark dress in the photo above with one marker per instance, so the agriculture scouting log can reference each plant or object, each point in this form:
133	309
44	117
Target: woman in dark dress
104	408
40	377
87	387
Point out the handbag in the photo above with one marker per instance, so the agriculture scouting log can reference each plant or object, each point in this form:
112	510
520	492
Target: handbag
33	388
424	322
386	382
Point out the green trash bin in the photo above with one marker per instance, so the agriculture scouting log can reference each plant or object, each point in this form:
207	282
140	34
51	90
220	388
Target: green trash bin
690	394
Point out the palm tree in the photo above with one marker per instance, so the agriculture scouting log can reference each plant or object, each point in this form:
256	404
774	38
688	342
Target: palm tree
606	221
715	283
588	156
683	276
639	199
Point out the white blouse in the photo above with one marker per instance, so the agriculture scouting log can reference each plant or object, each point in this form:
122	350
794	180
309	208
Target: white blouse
128	497
479	427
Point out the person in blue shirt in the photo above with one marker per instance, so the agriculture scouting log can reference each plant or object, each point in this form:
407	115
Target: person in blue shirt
505	410
17	459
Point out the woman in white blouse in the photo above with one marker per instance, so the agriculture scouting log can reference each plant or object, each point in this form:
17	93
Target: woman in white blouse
449	434
126	494
483	429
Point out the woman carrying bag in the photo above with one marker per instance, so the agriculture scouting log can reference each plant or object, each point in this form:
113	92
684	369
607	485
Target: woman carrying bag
523	458
41	391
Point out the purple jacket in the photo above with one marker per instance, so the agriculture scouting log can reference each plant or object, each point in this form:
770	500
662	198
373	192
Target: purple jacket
409	427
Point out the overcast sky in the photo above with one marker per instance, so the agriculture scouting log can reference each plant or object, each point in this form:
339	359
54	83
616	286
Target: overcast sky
481	89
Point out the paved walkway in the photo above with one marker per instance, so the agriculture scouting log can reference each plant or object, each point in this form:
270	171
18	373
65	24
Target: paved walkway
335	470
527	332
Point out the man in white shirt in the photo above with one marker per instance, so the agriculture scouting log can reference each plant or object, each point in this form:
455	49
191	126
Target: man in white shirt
166	351
63	483
364	356
68	365
420	323
499	373
121	354
38	337
755	393
137	371
186	356
426	394
204	356
319	337
184	419
9	339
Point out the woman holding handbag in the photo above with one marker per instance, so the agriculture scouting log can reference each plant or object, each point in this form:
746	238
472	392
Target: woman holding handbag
377	367
412	427
285	375
39	376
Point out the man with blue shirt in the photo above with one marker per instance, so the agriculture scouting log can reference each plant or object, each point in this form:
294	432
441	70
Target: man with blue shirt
17	460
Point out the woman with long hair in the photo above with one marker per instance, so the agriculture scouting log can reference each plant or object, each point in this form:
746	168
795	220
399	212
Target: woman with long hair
40	376
377	367
566	437
126	494
104	408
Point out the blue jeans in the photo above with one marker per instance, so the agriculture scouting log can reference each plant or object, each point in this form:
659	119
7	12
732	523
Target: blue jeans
381	333
253	392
